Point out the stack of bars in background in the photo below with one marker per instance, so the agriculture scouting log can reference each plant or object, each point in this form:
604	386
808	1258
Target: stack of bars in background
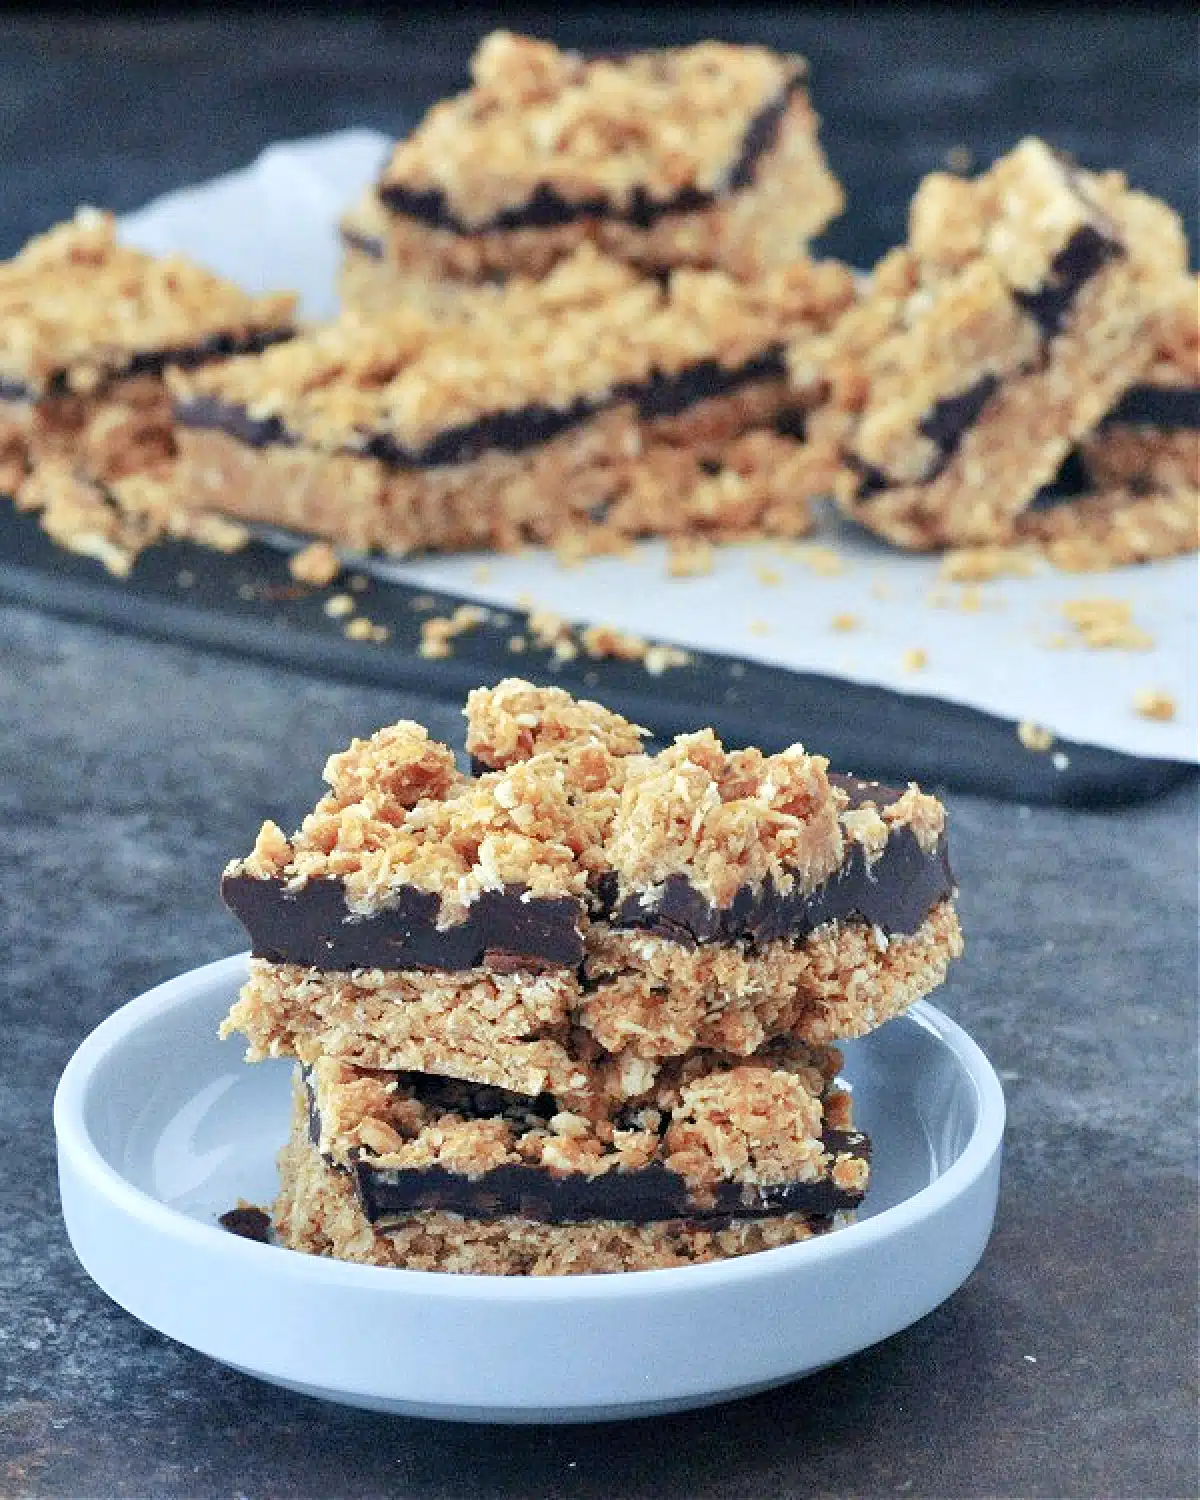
576	1011
580	309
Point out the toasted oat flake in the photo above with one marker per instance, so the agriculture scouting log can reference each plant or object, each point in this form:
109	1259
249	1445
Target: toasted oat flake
1152	703
317	563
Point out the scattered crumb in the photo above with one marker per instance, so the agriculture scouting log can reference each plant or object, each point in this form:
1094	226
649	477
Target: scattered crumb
481	572
362	629
421	604
914	659
759	627
982	564
359	582
959	159
526	602
1060	760
689	557
185	578
1152	703
844	622
658	658
516	643
439	630
339	606
1033	736
769	577
600	643
1107	624
317	564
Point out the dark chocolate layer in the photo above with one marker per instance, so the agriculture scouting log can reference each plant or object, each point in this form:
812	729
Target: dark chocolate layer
896	894
547	209
645	1196
156	361
506	930
1170	407
313	926
506	431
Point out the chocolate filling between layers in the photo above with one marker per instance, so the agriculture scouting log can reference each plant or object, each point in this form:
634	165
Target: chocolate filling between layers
547	209
508	930
313	926
507	431
1176	407
153	362
948	421
645	1195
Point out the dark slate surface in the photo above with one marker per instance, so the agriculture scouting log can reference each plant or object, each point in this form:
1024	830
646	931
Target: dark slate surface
129	771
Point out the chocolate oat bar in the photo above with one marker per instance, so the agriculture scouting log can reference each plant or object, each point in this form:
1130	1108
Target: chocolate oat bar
87	329
1015	318
431	1173
577	914
692	156
596	403
1131	491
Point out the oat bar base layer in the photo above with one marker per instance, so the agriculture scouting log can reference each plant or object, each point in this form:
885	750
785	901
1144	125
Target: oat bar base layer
598	1040
318	1212
597	487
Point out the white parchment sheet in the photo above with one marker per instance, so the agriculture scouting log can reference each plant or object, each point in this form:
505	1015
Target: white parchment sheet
273	225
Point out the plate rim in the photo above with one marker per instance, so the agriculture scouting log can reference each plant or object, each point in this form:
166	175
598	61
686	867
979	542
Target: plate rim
76	1144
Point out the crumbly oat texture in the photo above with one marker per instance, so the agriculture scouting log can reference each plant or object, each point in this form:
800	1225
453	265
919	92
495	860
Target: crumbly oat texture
758	1122
77	308
1020	310
704	155
317	1212
590	328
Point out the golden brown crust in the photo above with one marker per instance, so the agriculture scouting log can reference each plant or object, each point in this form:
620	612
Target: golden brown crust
77	307
651	123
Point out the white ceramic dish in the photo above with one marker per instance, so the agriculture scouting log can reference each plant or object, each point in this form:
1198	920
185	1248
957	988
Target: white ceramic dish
161	1127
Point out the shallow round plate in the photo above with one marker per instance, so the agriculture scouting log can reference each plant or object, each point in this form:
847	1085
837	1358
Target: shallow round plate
161	1127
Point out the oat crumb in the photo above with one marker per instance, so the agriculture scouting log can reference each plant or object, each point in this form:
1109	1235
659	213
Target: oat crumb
339	606
770	578
983	564
358	629
844	622
422	604
1033	736
959	159
359	582
914	659
1152	703
439	630
1107	624
516	643
317	564
759	627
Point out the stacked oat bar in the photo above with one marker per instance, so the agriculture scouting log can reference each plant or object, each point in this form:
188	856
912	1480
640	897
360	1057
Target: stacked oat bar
1012	327
589	407
690	156
575	1011
88	330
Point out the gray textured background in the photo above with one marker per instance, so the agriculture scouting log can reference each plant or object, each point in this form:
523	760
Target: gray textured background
130	771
